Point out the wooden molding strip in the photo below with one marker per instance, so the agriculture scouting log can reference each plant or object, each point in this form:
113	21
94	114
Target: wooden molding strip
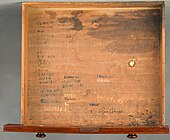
120	130
95	4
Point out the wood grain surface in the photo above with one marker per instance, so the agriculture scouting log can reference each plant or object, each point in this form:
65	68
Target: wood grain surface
93	66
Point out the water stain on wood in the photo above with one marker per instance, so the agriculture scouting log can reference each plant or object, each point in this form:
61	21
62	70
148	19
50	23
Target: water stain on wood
77	24
93	104
52	14
77	13
133	32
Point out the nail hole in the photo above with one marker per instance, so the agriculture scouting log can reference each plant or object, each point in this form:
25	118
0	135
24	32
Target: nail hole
95	25
132	63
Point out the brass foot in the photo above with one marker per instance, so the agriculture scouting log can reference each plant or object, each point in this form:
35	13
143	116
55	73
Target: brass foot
132	136
40	135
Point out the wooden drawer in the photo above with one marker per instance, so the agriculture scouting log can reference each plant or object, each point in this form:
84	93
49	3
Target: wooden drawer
97	65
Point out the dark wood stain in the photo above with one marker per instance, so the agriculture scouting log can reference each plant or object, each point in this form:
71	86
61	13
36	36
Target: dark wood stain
77	13
77	24
51	14
139	31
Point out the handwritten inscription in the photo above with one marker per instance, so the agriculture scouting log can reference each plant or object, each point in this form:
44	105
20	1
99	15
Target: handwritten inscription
111	110
71	81
48	101
104	78
53	108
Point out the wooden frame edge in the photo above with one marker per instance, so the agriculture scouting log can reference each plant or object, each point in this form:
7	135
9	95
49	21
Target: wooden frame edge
24	64
103	4
162	64
76	130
